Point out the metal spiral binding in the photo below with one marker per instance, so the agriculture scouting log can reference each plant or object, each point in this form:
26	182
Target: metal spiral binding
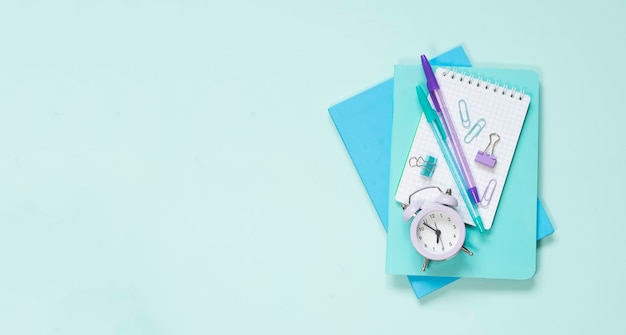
462	77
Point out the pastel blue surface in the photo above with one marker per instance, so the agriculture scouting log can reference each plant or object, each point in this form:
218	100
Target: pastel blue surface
364	124
162	160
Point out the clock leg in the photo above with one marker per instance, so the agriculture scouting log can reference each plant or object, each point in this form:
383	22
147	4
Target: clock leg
426	261
467	251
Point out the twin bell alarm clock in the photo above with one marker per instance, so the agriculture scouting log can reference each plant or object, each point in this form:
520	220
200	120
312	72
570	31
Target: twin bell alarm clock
437	230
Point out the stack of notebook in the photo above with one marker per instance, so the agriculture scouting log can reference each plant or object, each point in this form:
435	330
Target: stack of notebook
389	142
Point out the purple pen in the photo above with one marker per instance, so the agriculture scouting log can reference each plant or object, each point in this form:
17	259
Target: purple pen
440	107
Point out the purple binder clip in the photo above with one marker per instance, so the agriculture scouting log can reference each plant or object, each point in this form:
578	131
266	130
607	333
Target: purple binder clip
485	158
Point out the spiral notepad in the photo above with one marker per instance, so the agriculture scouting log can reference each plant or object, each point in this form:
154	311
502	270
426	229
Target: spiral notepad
488	118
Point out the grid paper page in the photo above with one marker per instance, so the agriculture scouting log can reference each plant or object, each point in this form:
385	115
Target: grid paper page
503	109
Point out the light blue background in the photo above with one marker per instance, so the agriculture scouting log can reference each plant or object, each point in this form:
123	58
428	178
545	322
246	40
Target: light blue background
169	167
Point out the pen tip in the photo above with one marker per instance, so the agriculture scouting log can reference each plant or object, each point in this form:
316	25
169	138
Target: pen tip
431	82
479	224
424	60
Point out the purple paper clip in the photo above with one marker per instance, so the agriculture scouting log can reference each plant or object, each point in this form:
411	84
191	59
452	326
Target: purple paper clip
485	158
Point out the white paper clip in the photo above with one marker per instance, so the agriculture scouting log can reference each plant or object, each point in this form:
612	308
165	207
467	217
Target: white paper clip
488	194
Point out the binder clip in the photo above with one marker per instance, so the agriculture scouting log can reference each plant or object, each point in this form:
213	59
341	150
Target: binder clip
427	165
485	158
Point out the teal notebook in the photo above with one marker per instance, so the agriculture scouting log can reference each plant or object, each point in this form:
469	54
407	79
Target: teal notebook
508	250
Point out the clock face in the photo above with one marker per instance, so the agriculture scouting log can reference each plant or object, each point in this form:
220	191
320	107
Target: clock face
438	232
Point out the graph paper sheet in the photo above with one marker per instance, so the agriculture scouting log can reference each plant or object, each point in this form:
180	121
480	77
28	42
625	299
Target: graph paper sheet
499	110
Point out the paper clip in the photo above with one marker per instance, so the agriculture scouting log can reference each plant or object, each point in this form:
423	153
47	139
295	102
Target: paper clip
427	165
488	194
464	113
476	129
485	158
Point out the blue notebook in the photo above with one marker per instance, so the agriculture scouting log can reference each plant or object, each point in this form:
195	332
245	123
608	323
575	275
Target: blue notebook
364	124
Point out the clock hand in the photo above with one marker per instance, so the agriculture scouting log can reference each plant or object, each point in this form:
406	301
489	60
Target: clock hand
438	232
433	229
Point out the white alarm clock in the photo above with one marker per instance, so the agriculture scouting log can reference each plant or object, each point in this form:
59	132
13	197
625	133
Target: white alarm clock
437	230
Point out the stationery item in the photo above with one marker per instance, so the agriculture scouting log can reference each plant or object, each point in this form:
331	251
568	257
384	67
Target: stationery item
427	165
440	136
464	114
437	230
509	252
486	157
475	131
485	199
505	114
453	138
364	124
